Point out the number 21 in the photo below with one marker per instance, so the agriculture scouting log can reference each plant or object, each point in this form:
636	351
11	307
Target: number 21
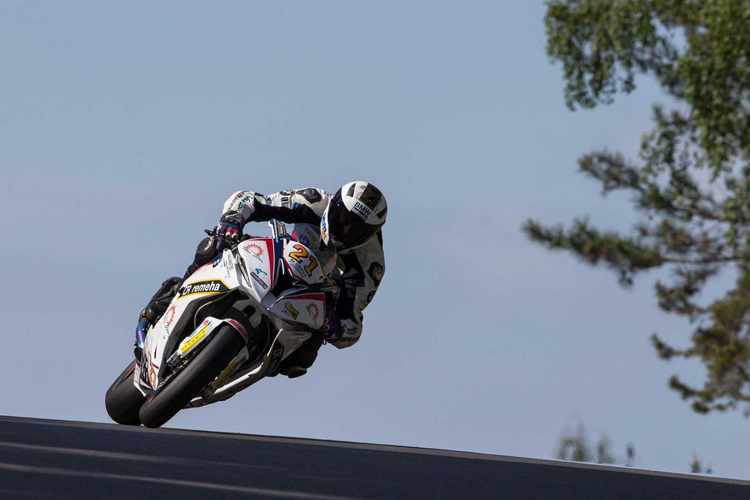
301	253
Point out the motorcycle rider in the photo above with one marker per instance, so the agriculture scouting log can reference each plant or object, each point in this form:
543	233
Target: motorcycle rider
350	221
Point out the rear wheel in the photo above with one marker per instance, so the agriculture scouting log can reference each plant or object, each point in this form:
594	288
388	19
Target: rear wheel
123	399
201	371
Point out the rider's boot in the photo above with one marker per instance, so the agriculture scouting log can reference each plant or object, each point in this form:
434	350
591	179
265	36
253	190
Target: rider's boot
156	307
303	358
295	371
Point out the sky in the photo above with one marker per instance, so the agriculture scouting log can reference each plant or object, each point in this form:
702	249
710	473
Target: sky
124	127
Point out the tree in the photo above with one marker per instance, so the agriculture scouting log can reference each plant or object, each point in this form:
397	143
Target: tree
697	468
574	447
691	181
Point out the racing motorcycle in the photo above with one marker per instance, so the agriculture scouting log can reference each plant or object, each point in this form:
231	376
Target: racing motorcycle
230	324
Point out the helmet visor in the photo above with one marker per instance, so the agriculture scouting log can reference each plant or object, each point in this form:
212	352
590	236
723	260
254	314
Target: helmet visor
347	228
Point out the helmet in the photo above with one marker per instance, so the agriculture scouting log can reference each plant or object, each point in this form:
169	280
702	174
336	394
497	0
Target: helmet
353	215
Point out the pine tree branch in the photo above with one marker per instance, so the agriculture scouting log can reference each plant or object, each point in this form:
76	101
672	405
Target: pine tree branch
692	180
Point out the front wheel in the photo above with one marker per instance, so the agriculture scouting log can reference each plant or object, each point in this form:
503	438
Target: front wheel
123	399
201	371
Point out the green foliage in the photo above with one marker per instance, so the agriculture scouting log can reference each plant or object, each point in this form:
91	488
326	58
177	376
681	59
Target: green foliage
691	181
574	447
697	468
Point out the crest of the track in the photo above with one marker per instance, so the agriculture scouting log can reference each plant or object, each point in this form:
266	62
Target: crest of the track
59	459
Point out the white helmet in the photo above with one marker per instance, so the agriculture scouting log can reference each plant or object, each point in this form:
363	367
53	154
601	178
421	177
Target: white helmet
354	214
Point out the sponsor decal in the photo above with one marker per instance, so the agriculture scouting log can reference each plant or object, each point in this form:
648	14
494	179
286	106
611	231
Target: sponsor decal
254	249
276	354
307	236
260	271
298	255
169	316
207	287
259	281
290	310
190	342
229	371
300	271
312	308
324	227
362	210
152	371
246	202
376	273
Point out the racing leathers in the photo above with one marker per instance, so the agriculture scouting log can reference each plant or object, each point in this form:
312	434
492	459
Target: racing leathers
361	268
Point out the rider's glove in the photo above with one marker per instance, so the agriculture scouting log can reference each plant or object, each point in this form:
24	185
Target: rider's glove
331	328
230	225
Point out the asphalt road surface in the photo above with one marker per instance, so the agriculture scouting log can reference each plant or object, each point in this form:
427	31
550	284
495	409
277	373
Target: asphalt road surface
76	460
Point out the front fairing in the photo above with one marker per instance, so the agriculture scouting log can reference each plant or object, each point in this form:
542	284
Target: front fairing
309	235
282	275
258	259
287	276
213	280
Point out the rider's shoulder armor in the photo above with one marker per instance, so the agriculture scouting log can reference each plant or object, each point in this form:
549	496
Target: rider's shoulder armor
311	197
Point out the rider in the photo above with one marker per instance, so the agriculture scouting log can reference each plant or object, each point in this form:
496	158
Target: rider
350	220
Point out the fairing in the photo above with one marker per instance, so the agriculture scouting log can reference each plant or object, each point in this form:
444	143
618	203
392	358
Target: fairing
252	264
259	260
215	278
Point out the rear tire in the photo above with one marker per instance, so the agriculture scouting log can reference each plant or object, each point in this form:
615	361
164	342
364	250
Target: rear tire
123	399
201	371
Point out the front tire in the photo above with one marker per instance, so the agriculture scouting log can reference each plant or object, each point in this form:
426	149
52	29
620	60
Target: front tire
201	371
123	399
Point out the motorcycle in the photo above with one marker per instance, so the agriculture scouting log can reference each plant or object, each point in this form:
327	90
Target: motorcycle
230	324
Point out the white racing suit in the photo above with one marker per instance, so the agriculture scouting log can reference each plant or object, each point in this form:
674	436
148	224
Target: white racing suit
362	268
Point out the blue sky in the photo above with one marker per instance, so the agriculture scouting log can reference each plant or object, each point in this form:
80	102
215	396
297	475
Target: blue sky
123	128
